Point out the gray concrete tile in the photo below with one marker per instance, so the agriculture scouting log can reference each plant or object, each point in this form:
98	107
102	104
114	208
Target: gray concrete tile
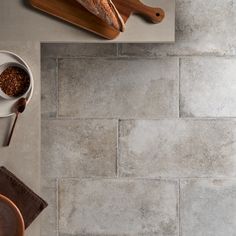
118	207
49	216
199	30
78	49
208	87
177	148
118	88
208	207
48	87
78	148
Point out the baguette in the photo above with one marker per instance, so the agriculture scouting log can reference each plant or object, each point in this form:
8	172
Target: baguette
105	10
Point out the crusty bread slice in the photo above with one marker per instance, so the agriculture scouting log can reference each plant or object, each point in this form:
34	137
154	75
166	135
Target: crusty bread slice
106	10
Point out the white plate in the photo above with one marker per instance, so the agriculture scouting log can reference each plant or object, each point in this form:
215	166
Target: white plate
7	106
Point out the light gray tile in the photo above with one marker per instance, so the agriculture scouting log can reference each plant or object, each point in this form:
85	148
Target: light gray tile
49	215
78	49
118	207
48	87
78	148
118	88
200	29
177	148
208	207
208	87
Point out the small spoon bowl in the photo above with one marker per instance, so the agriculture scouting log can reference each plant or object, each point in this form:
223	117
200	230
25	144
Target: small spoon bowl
3	67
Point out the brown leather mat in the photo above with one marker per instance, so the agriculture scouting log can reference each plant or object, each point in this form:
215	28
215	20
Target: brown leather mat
28	202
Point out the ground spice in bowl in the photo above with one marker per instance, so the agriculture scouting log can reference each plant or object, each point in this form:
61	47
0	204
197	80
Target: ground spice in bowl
14	81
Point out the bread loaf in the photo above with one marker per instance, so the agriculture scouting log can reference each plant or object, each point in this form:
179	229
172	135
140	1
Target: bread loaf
106	10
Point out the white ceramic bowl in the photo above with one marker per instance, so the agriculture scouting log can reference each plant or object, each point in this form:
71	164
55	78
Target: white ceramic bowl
4	67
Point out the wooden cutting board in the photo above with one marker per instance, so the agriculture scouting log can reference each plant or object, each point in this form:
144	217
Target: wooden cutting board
72	12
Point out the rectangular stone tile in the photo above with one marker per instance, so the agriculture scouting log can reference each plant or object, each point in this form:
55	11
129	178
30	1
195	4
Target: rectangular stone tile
208	87
49	216
177	148
199	30
118	207
78	49
118	88
78	148
48	87
208	207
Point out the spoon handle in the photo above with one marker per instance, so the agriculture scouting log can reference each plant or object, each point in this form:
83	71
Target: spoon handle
12	129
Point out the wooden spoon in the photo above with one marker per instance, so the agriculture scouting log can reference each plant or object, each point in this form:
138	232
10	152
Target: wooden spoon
19	108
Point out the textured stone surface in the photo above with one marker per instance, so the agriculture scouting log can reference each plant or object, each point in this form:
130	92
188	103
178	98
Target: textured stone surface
49	87
78	148
118	88
78	49
177	148
49	216
208	87
208	207
200	29
118	207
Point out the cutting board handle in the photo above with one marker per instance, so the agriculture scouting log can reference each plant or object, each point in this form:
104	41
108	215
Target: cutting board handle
155	15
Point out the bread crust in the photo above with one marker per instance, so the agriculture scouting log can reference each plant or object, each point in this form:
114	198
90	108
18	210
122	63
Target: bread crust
106	10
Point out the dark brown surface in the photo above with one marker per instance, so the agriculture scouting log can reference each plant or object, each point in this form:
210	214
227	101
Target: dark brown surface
14	81
11	220
29	203
72	12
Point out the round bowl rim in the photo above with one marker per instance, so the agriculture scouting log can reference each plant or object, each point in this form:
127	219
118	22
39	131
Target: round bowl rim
17	211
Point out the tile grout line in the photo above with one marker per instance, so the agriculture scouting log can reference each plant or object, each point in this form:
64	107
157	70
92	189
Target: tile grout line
179	192
117	148
179	77
57	88
57	206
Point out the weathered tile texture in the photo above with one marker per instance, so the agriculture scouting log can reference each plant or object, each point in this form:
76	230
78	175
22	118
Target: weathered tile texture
79	148
208	207
49	87
208	87
118	207
118	88
177	148
49	215
187	80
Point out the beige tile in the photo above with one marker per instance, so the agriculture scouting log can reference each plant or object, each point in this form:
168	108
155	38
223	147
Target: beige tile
208	207
49	215
208	87
118	88
118	207
49	87
177	148
79	148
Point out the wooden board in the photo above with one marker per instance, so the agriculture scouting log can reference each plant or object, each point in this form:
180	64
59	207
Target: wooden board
72	12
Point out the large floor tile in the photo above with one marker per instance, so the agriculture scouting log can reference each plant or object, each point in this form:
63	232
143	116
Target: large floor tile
49	215
78	148
118	207
200	29
208	87
78	49
118	88
177	148
208	207
48	87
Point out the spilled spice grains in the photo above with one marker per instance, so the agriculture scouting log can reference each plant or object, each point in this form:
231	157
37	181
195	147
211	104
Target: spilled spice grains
14	81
